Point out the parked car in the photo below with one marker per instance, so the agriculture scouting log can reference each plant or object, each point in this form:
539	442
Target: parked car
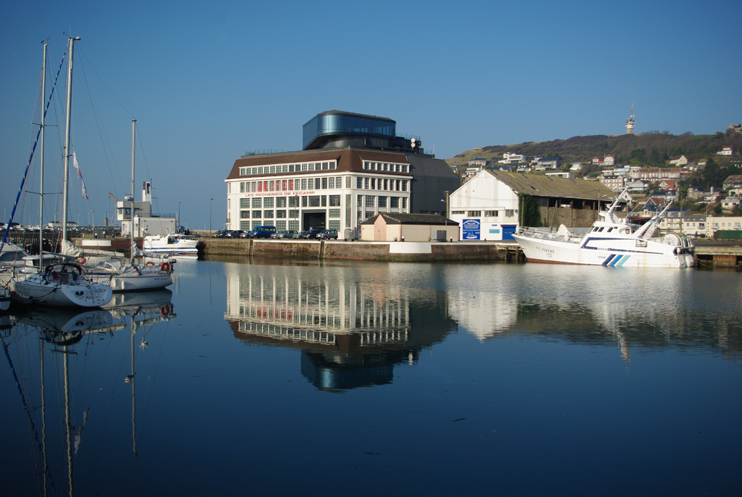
310	234
233	234
285	234
219	234
262	232
328	235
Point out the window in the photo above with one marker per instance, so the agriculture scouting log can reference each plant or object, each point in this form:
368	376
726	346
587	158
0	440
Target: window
382	202
359	183
347	181
310	183
314	201
334	213
245	203
365	183
490	213
268	214
280	225
268	203
335	225
294	213
257	214
509	212
244	214
293	201
281	213
257	203
242	187
294	225
331	183
324	183
394	202
370	200
458	212
245	225
334	200
304	184
475	214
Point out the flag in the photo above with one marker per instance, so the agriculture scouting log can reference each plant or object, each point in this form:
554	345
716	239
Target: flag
79	175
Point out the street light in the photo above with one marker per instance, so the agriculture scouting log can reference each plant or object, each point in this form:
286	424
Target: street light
210	215
179	222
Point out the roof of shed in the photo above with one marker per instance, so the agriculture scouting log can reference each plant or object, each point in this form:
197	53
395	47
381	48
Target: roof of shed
550	186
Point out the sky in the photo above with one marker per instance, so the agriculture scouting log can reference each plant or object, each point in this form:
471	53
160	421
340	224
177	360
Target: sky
210	81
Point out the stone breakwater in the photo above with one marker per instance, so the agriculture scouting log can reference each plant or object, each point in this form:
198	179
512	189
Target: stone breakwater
374	251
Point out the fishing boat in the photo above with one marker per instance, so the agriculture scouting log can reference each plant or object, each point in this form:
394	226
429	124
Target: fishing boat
611	241
171	243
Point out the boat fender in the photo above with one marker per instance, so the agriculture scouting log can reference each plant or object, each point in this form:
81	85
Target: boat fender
675	251
165	267
150	263
81	260
164	310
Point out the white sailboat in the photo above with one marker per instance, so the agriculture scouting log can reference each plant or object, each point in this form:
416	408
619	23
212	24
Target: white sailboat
123	277
59	284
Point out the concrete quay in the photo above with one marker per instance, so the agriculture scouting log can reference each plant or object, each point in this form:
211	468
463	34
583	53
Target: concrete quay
368	251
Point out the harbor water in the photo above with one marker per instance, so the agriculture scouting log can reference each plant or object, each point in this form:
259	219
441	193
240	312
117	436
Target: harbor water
258	377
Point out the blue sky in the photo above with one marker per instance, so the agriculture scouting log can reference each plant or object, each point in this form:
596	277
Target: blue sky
209	81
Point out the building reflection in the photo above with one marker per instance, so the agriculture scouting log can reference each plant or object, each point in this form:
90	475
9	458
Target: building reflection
352	324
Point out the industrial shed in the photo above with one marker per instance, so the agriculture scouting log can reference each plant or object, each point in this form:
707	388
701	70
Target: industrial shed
409	228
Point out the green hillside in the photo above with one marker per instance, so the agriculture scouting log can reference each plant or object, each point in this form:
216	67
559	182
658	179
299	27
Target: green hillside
646	149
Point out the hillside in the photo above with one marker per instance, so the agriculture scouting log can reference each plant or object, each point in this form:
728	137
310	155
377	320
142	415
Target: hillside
651	149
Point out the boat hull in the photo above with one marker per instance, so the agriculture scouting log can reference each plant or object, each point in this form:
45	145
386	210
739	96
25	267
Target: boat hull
609	252
125	283
36	289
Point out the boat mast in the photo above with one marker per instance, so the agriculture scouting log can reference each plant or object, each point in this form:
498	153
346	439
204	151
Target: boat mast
67	152
133	149
41	189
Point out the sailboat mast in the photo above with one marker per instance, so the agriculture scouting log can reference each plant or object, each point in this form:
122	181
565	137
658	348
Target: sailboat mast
133	153
67	151
41	189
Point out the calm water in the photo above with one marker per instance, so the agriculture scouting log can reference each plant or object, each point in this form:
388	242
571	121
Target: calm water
382	379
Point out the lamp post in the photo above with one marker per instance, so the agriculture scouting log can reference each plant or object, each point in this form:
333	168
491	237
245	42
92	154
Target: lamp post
179	222
210	215
93	222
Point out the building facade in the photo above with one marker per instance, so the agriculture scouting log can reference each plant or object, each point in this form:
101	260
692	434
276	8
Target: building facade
352	167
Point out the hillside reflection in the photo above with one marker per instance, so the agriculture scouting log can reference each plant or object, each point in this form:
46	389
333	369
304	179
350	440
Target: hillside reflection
354	323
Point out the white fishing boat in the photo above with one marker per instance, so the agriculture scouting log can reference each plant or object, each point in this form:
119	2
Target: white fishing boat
171	243
611	241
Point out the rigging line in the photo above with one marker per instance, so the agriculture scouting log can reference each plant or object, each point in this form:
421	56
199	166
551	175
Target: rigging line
28	165
154	375
131	114
23	397
105	132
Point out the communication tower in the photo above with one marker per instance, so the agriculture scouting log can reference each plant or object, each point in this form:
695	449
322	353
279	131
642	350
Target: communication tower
630	122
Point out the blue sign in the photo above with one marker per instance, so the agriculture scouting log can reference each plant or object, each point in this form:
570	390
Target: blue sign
470	229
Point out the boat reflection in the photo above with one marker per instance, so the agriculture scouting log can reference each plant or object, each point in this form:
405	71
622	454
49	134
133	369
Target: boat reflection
58	334
352	324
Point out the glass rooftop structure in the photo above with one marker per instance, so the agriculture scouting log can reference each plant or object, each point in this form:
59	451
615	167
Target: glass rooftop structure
346	123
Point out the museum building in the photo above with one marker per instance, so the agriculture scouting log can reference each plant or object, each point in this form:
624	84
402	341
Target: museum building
352	167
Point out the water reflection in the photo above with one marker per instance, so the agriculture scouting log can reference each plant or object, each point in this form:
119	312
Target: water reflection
352	324
49	352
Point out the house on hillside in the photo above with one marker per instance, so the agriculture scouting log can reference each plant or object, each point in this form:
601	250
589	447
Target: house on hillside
733	182
727	150
679	161
508	158
730	203
477	162
487	207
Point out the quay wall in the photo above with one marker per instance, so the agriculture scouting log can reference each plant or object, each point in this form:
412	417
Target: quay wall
376	251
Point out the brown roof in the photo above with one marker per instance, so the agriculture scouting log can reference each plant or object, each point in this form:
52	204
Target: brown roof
348	160
550	186
398	218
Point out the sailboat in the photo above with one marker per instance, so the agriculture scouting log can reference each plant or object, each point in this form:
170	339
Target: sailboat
133	277
62	284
